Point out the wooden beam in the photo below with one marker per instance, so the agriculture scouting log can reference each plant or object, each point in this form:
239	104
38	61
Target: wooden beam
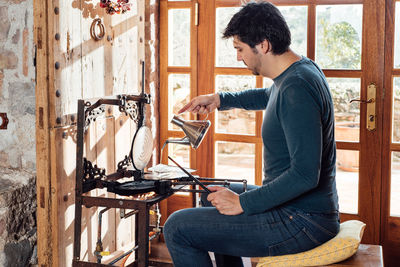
44	230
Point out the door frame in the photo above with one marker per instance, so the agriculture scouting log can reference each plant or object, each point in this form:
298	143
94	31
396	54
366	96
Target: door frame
390	225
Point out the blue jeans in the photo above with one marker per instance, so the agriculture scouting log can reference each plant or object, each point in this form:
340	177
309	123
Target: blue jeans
191	233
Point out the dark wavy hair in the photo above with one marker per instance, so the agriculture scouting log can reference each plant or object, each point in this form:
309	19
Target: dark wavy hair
257	22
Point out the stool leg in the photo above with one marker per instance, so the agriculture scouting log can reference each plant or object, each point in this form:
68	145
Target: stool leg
228	261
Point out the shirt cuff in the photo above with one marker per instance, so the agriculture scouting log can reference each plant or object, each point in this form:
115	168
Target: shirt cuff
244	204
226	101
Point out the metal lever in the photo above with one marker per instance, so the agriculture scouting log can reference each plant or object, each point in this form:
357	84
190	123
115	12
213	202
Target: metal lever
371	112
371	100
191	176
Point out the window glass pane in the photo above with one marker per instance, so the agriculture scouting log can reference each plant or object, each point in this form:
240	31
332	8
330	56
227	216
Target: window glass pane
395	185
225	54
267	82
347	180
347	160
347	115
396	111
338	41
178	96
296	18
235	120
235	161
179	37
397	37
179	153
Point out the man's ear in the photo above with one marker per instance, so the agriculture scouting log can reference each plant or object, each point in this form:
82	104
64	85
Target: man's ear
265	46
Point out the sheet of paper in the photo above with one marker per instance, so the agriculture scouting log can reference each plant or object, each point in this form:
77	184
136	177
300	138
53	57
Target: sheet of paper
162	168
162	171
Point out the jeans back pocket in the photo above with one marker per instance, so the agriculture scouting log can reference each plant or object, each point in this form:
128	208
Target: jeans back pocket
301	241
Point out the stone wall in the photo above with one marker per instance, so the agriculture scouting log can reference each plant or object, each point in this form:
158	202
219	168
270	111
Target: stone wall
17	85
17	218
17	142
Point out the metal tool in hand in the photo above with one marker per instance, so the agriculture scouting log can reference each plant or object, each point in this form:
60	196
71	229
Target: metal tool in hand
191	176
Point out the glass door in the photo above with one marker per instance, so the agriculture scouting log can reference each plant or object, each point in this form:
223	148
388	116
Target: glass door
346	38
349	49
178	84
390	219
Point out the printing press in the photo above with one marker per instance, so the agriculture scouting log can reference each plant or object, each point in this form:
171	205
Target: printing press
144	190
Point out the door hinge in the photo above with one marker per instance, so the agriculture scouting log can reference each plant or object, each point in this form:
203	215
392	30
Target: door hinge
35	63
196	14
42	197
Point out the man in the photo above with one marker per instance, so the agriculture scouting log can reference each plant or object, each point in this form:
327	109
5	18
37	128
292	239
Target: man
296	208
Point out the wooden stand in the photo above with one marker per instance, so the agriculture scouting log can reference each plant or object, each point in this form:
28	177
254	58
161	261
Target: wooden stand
367	255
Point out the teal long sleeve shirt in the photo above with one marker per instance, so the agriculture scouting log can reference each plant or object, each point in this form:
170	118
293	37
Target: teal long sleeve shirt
298	138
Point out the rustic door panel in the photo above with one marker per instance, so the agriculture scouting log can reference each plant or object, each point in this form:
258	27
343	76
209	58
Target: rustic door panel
80	67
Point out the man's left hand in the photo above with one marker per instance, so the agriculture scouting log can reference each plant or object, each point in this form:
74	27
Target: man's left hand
226	201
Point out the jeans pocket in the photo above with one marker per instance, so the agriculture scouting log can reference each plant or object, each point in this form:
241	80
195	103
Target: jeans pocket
299	242
325	226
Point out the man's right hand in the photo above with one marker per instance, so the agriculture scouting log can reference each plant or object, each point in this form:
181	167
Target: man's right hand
203	104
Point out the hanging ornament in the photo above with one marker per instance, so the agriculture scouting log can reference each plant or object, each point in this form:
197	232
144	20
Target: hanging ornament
115	7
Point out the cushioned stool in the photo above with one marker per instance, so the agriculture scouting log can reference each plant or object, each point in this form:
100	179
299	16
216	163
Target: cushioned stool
339	248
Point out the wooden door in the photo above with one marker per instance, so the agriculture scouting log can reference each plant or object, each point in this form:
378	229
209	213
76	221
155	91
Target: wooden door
72	65
347	39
